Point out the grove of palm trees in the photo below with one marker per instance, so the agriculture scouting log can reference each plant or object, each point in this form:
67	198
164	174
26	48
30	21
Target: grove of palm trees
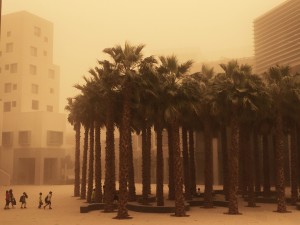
132	93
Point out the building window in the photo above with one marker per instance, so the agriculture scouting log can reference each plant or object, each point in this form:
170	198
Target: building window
46	39
7	139
54	138
34	88
51	90
32	69
24	138
6	67
8	34
0	70
33	51
45	53
9	47
37	31
15	86
49	108
7	87
14	68
35	104
13	104
6	107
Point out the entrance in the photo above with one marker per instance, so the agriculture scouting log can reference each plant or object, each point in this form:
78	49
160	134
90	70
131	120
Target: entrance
26	171
50	171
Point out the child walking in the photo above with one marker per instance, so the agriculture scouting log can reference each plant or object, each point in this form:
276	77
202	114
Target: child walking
40	200
23	200
48	200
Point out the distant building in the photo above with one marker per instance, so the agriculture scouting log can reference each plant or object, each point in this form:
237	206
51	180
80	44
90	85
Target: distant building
32	127
277	37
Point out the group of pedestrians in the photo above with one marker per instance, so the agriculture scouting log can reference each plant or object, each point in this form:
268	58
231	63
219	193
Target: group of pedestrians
10	199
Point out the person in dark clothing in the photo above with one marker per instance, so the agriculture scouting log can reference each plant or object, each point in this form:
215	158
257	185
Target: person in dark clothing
23	200
12	199
48	200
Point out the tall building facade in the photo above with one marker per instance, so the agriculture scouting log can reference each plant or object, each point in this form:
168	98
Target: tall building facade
277	37
32	127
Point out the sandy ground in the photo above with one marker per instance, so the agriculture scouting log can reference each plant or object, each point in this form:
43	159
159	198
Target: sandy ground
66	212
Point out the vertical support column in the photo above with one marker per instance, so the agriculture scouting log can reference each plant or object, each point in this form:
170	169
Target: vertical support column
39	170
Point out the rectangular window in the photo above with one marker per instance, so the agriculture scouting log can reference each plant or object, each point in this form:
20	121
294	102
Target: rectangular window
46	39
35	104
6	106
24	138
13	104
15	86
45	53
7	87
14	68
51	90
6	67
34	89
32	69
33	51
8	34
37	31
9	47
51	74
7	139
49	108
54	138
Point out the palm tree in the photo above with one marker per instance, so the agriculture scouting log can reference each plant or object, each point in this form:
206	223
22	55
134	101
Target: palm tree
282	86
126	61
233	93
177	101
74	120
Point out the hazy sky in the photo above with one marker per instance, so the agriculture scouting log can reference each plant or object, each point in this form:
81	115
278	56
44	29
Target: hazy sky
192	29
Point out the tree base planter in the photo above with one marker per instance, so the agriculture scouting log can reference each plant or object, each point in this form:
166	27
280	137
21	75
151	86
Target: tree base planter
91	207
122	218
218	201
153	208
282	211
233	214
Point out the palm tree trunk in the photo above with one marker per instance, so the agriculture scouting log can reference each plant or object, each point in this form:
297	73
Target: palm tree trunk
124	153
149	137
208	169
131	182
110	175
266	166
171	185
98	172
144	165
186	166
233	167
249	155
84	162
256	161
159	167
192	162
77	160
91	163
225	161
178	175
294	172
279	162
242	161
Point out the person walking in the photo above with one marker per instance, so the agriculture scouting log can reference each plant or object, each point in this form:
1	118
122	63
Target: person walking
48	200
23	200
7	197
12	199
40	200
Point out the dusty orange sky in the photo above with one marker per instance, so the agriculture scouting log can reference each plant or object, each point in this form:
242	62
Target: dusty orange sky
192	29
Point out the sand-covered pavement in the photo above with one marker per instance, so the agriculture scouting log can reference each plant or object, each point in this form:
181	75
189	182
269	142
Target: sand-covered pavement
66	212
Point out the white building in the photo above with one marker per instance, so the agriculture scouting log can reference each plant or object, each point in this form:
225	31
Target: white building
32	127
